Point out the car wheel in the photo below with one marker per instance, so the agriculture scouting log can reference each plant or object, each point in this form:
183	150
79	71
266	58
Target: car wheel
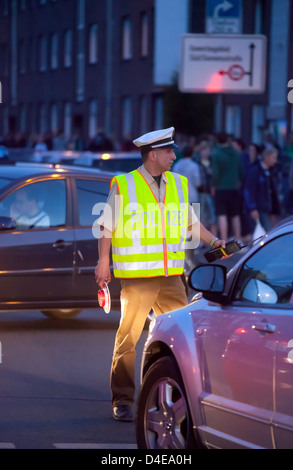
163	417
62	314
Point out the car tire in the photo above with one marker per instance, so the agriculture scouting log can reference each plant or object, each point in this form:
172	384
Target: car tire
163	419
62	314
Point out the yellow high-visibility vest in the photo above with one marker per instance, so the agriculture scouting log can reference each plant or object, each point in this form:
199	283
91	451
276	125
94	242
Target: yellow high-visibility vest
149	238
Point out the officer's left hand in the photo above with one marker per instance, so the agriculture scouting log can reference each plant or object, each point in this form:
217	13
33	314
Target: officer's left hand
222	243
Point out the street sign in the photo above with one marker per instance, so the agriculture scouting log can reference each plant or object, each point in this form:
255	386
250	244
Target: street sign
223	16
222	63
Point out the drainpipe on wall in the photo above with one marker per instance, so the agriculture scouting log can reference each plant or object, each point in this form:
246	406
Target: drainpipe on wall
108	69
80	69
13	81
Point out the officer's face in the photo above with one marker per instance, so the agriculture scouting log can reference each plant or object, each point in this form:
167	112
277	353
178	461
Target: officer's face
164	159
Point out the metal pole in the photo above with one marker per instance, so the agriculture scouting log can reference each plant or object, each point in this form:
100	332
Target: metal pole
108	69
13	82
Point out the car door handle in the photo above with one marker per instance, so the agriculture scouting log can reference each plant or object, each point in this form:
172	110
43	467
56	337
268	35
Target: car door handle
61	244
264	327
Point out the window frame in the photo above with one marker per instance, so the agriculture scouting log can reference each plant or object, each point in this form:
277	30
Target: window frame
93	44
126	38
68	200
76	178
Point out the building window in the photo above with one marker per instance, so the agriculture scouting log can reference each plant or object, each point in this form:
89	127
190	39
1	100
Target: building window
5	121
126	38
43	126
22	118
31	117
258	119
22	5
4	8
259	17
68	48
32	54
4	59
158	112
67	120
126	117
43	53
144	35
93	44
22	57
233	120
54	118
93	118
54	51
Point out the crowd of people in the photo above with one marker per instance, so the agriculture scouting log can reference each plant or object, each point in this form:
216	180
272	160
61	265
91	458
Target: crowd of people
100	142
241	188
238	186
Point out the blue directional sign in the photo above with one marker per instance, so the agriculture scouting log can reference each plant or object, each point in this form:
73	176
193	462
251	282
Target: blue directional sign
223	16
226	8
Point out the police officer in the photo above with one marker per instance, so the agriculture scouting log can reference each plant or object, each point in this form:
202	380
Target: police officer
147	227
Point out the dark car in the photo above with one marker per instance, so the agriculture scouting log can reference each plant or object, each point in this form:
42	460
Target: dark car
48	253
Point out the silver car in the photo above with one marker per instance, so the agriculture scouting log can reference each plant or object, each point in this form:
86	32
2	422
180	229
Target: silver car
219	372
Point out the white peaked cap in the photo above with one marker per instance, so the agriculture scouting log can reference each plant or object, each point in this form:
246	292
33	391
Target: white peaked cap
163	138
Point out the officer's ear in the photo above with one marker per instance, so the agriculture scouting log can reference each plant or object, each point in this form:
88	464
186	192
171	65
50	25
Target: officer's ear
152	155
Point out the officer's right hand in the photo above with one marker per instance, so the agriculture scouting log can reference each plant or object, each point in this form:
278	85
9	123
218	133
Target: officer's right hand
102	274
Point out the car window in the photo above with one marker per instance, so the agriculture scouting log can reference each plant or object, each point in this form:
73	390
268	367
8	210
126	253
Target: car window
89	193
267	277
37	205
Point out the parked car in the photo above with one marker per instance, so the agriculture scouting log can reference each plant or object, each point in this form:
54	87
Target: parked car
118	162
219	372
47	260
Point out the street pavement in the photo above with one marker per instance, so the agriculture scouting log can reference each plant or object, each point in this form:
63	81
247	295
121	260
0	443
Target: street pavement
54	382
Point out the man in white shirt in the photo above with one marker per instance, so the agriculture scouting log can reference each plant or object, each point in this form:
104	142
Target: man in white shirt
189	168
26	209
141	293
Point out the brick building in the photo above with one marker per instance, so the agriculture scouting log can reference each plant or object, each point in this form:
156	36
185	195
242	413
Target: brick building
82	65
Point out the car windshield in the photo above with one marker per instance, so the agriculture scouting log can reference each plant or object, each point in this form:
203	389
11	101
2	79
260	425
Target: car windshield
5	182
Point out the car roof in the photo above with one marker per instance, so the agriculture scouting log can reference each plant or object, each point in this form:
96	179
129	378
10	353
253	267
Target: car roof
23	170
285	225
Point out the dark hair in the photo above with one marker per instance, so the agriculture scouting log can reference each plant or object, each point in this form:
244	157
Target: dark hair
187	151
144	154
222	138
240	142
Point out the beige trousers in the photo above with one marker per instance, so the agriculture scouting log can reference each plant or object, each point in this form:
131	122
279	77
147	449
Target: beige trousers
138	297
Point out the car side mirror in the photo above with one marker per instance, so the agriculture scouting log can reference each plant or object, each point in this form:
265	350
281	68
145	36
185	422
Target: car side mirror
210	279
7	223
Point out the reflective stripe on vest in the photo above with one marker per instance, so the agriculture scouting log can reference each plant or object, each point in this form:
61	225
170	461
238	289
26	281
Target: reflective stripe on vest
149	238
